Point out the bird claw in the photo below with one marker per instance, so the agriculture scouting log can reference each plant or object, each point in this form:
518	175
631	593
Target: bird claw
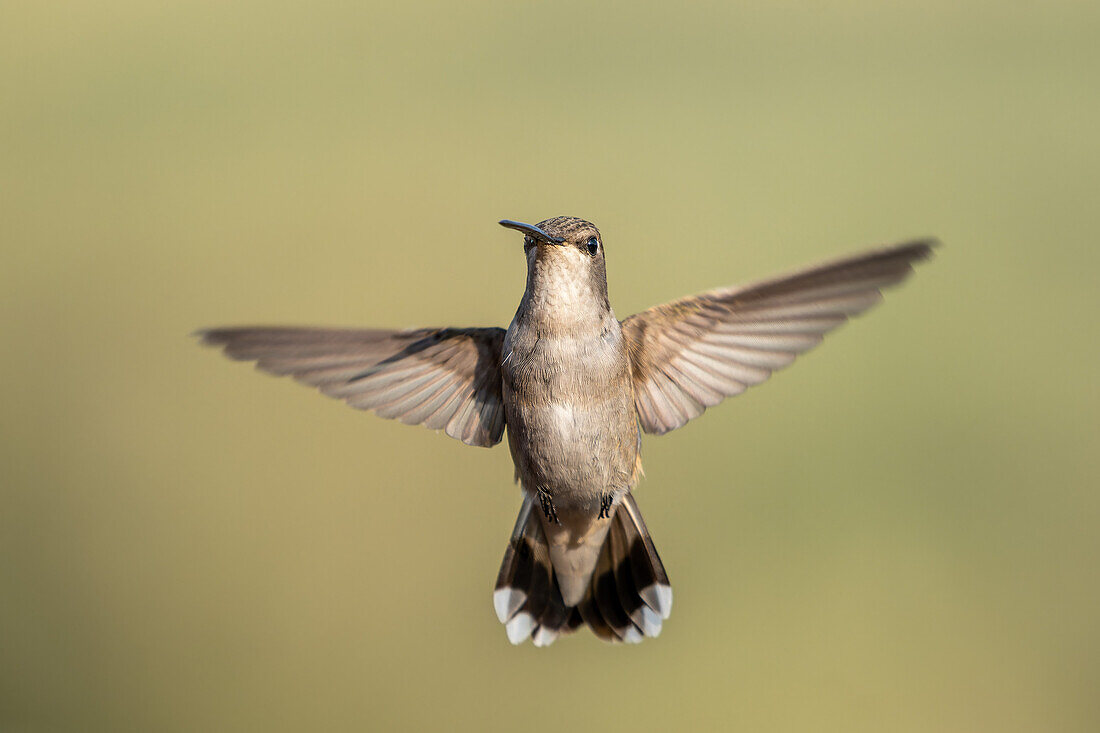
547	503
606	502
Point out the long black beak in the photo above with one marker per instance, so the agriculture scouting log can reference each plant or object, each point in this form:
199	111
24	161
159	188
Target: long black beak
531	231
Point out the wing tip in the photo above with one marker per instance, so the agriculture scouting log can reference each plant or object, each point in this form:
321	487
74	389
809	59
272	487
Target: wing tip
918	249
207	336
224	336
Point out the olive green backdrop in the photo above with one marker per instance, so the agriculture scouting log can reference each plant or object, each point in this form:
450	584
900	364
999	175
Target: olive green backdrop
898	533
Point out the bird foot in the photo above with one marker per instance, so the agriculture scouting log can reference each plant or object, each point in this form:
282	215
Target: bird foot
547	503
606	502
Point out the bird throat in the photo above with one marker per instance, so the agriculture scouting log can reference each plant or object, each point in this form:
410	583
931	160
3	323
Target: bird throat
565	293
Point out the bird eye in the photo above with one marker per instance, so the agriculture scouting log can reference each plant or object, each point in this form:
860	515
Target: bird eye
593	246
528	241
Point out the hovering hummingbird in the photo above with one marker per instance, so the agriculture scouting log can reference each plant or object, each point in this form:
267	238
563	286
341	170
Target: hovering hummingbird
573	385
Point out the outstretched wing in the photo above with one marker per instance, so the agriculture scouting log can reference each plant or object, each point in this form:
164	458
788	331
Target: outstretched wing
443	378
692	353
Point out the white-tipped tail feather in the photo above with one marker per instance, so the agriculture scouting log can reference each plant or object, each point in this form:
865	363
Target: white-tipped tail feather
519	627
624	599
659	598
507	601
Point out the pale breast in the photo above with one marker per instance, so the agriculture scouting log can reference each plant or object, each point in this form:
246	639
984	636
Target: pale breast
570	411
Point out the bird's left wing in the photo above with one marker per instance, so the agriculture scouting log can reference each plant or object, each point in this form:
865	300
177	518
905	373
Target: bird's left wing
692	353
443	378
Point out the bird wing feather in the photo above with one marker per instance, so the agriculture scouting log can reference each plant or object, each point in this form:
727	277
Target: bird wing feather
443	378
692	353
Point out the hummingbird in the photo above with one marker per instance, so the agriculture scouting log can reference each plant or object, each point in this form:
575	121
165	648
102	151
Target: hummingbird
575	387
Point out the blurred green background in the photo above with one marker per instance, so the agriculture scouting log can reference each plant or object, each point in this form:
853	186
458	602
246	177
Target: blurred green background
898	533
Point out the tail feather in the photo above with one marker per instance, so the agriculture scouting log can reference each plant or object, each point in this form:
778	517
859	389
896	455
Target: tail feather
595	620
605	591
554	619
649	573
643	618
516	570
626	598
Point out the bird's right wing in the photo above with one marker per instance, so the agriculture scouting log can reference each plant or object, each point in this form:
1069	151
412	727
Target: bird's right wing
443	378
692	353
